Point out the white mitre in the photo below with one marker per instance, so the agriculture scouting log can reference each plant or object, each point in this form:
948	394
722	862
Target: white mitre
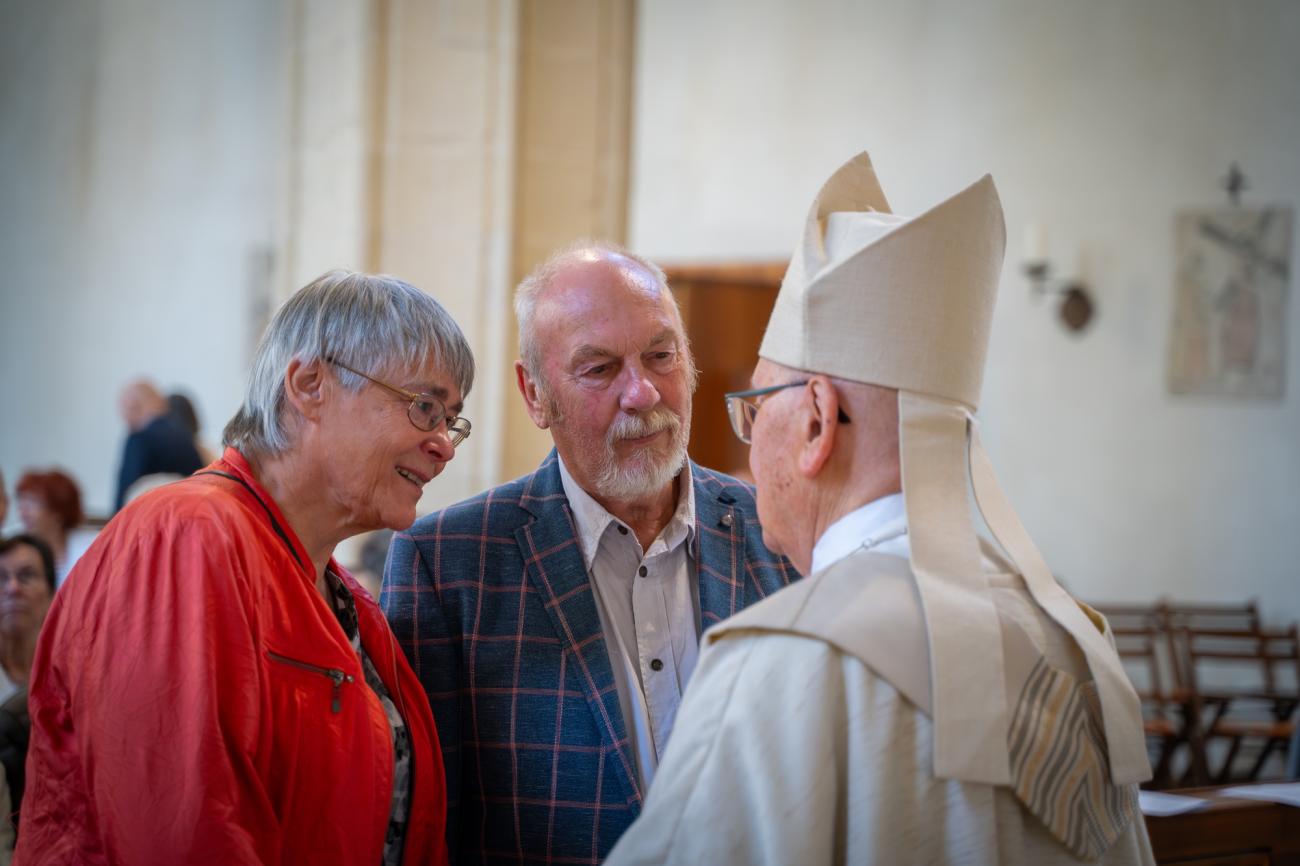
907	303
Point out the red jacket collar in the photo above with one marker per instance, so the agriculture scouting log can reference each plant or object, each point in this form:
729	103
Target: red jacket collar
232	462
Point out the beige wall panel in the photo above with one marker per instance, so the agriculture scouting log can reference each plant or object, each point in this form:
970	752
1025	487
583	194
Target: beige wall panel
574	106
326	213
441	200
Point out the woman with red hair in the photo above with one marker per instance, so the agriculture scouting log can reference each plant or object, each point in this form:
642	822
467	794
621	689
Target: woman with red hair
49	505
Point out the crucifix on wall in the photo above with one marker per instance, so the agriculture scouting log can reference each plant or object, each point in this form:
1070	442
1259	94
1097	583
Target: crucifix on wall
1231	286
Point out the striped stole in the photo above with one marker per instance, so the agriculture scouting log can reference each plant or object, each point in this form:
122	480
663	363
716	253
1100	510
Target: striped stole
1060	765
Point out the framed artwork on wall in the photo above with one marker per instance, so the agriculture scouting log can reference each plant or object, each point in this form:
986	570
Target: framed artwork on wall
1230	301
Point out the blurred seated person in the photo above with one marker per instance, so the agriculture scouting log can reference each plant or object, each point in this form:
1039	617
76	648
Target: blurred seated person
159	443
26	591
182	408
49	505
8	824
371	558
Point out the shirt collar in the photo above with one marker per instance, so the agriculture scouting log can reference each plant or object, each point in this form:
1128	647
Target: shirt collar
866	526
592	520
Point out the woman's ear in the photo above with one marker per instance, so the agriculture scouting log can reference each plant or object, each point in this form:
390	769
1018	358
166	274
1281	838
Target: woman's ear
818	422
305	387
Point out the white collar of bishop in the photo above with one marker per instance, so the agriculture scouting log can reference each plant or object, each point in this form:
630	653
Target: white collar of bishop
872	525
593	521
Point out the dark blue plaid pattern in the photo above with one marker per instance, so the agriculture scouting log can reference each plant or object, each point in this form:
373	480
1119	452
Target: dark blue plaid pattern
491	601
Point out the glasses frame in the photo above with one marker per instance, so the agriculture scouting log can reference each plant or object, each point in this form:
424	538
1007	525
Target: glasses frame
458	428
739	402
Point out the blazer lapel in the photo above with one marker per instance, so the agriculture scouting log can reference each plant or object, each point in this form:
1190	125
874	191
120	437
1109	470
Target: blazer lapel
721	558
555	566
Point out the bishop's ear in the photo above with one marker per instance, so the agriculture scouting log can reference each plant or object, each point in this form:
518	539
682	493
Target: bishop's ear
305	386
818	425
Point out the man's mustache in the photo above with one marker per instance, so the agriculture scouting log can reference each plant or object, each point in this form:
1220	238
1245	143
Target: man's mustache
644	424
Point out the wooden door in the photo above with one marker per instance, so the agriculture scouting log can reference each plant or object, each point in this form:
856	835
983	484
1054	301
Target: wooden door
725	308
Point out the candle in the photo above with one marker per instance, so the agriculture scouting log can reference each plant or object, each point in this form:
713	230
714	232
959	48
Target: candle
1035	243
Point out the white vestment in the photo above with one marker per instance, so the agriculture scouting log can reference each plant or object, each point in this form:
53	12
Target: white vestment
790	749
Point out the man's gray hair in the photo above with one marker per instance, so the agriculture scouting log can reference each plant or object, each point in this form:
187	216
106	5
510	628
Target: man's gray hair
532	286
374	323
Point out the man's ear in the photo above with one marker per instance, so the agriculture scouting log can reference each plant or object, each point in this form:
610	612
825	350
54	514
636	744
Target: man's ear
305	387
818	422
533	399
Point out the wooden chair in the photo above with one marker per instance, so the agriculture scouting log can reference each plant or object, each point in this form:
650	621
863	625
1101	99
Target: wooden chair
1139	638
1239	617
1259	715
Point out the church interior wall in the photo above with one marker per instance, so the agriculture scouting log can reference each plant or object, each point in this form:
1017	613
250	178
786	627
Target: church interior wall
173	169
1098	121
140	145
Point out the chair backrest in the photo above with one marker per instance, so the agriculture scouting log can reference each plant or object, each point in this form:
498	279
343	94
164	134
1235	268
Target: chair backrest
1228	617
1272	655
1137	631
1130	618
1140	651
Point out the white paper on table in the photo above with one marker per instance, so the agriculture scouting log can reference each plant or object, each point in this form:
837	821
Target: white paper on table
1160	804
1287	793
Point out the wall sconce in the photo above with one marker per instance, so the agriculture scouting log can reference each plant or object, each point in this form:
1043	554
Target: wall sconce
1077	307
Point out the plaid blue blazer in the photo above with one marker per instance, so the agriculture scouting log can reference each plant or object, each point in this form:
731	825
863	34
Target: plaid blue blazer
491	601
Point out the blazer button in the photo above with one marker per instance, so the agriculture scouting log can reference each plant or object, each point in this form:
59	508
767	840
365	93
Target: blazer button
726	520
656	665
643	571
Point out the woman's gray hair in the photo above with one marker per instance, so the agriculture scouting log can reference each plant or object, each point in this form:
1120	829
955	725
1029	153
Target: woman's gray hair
373	323
532	286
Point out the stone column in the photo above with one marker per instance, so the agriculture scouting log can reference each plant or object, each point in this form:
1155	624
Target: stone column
442	179
326	210
575	95
455	143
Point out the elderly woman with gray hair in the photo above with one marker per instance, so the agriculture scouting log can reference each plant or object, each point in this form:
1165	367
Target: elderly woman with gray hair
211	686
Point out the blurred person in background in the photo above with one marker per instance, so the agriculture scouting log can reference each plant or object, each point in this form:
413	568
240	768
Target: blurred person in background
182	409
212	686
370	561
159	443
26	591
49	505
4	501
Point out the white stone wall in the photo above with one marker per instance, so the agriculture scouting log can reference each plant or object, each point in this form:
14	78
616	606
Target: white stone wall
138	215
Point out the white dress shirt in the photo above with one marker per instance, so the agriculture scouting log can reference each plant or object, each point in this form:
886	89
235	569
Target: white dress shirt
880	525
649	606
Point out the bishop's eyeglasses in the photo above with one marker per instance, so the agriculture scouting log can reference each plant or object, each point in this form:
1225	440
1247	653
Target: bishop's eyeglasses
742	408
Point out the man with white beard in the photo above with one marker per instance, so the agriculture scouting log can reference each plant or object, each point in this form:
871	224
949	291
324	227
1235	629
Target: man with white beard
554	621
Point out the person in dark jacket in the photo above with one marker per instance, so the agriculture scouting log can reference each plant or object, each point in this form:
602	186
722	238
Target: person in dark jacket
159	442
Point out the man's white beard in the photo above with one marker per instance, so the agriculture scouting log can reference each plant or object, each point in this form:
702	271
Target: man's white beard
648	471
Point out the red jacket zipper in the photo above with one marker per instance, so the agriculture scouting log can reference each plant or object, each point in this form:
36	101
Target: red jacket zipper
335	675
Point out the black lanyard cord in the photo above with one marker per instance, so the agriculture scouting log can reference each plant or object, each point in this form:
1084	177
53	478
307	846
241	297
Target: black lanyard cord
275	524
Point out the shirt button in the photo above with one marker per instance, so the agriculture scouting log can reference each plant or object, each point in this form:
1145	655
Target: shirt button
656	665
622	530
643	571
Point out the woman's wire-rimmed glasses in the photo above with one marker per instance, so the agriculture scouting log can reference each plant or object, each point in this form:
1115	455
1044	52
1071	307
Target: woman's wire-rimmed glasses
425	411
742	409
